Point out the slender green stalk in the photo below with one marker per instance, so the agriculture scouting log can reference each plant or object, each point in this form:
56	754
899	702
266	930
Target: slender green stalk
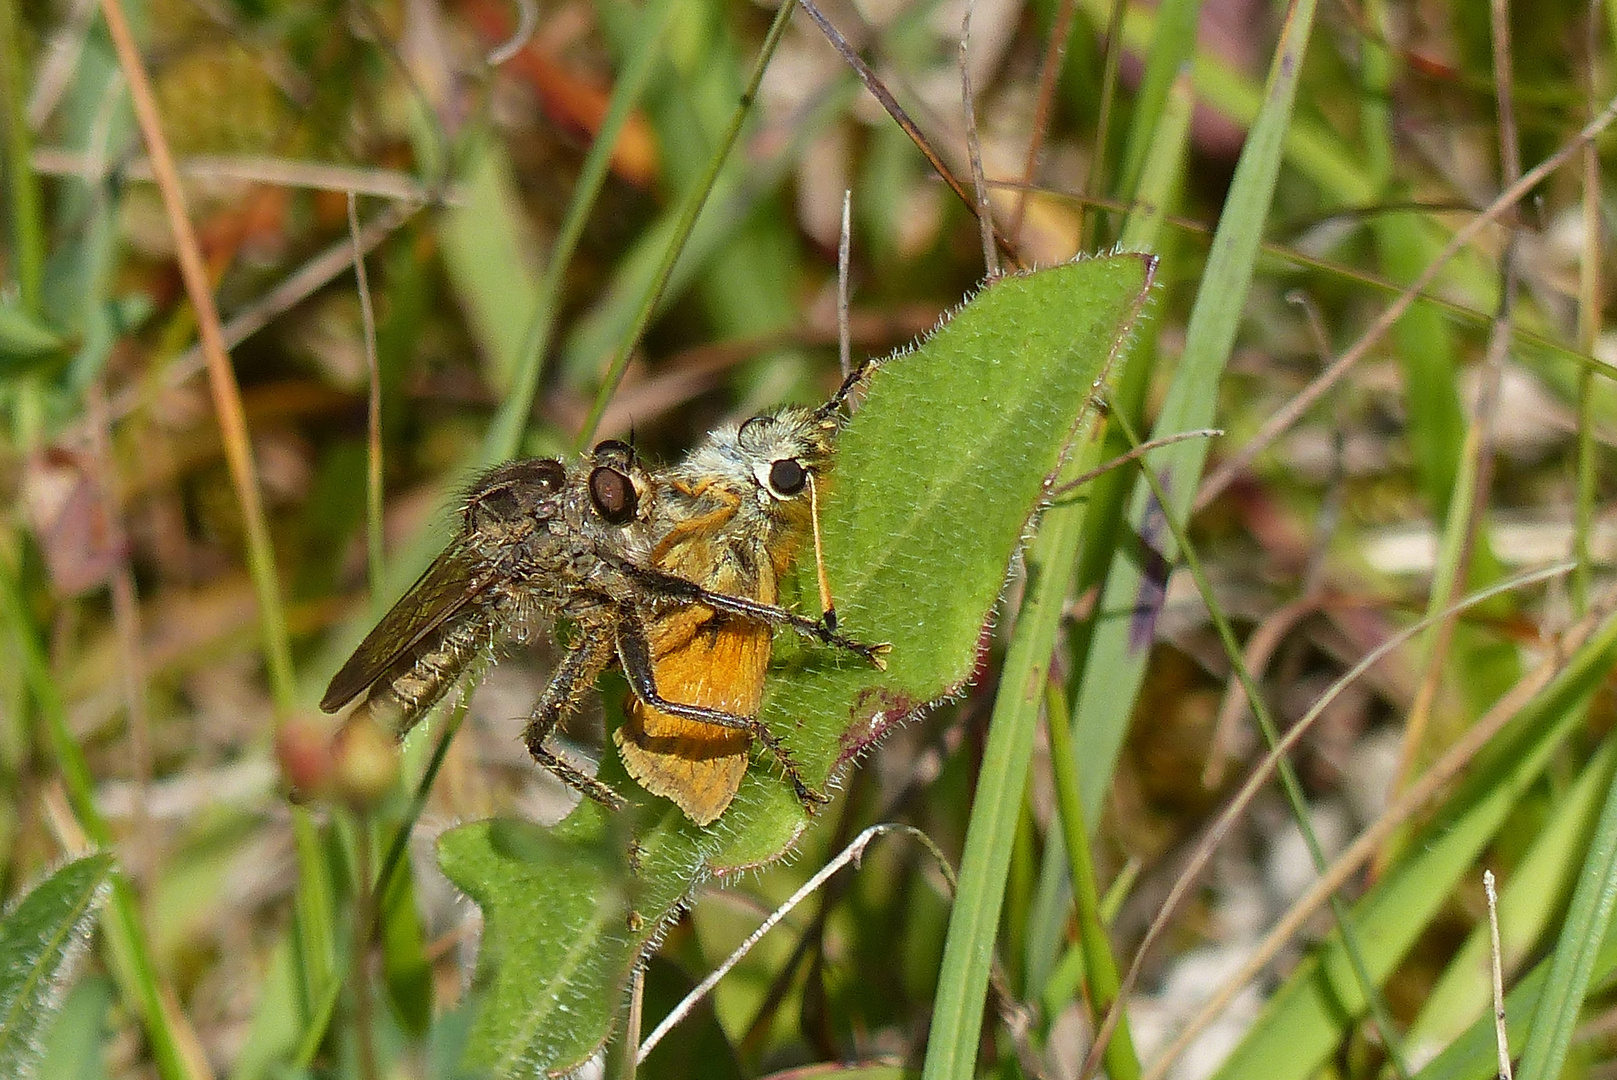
1424	338
623	1055
505	433
314	915
27	232
27	256
957	1012
1122	1063
373	418
1101	156
1173	45
1115	663
1376	70
1020	877
1108	496
1588	333
322	1010
401	836
695	199
1611	19
365	910
1289	783
1585	928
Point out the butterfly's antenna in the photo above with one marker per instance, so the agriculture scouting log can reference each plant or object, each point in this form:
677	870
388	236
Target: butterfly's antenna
853	379
827	605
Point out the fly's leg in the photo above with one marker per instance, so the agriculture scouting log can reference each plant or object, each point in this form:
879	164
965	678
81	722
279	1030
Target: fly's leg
635	653
584	660
673	587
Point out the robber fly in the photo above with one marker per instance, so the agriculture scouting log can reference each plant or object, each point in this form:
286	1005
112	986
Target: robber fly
539	540
736	512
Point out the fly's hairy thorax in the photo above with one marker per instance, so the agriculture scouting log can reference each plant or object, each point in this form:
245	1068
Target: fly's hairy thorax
530	549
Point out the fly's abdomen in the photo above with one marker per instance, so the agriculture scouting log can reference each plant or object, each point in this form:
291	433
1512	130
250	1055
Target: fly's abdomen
418	681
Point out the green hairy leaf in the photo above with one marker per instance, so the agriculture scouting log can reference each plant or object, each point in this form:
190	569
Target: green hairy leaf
938	477
39	938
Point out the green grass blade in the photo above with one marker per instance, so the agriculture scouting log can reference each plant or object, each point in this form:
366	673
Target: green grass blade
1120	646
406	971
1306	1019
130	953
690	208
39	939
26	343
1575	954
1173	46
968	949
976	418
505	433
1100	967
748	286
1290	785
27	233
487	246
735	197
1107	496
1163	170
1473	1055
1310	147
1532	898
273	1034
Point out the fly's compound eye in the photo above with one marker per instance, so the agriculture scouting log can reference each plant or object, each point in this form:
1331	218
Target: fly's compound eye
786	477
497	505
613	495
613	448
546	474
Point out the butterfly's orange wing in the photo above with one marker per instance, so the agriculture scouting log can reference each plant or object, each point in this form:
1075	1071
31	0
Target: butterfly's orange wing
700	658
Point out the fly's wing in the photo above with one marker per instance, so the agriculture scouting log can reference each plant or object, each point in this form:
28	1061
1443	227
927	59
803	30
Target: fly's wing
454	580
698	659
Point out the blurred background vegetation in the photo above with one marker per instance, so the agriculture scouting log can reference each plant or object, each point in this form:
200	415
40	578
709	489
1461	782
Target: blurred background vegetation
155	696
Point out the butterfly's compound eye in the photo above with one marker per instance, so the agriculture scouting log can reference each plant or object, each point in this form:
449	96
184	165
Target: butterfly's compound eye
786	477
613	495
